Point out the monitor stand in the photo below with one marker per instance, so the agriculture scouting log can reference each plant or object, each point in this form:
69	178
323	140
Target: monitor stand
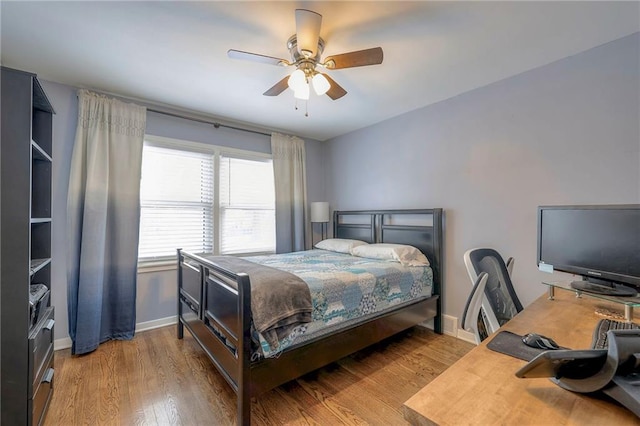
604	289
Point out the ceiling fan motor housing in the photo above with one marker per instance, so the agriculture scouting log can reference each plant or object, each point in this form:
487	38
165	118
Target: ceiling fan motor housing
296	57
302	60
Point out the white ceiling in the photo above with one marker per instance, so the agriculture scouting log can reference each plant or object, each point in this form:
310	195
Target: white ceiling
174	53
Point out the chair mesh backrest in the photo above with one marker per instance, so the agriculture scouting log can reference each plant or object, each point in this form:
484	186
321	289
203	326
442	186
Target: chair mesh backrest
499	290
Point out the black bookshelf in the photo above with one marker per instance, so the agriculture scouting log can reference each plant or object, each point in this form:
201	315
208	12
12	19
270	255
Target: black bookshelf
27	317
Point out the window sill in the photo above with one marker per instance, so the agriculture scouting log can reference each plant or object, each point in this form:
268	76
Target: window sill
158	266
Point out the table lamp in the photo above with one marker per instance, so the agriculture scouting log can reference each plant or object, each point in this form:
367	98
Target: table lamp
320	214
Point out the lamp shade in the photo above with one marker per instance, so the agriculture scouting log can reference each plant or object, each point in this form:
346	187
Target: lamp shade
320	84
302	92
296	80
320	211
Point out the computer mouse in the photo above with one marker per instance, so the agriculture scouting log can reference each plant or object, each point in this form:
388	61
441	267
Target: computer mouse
539	341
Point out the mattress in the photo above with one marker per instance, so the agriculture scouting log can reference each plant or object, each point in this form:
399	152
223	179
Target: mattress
345	289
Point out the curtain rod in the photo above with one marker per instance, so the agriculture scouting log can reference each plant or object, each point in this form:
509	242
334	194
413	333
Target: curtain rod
214	123
186	117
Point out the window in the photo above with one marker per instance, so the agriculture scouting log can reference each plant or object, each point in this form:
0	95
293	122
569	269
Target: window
247	199
204	199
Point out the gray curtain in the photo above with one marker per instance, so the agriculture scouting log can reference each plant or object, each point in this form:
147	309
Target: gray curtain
103	218
290	179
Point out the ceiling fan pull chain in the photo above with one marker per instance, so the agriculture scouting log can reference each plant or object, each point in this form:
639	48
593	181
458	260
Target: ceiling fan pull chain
306	108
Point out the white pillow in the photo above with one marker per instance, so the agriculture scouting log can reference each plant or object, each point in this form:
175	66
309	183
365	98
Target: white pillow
341	245
407	255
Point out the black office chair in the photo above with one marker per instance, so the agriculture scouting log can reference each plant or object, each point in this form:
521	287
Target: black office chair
500	303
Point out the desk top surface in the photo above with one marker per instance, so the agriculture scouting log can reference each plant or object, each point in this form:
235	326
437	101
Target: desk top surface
481	388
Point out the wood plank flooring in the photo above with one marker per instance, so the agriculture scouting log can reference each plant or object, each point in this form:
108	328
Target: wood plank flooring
156	379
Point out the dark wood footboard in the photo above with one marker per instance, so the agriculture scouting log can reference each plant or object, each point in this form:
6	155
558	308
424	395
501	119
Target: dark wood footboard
214	306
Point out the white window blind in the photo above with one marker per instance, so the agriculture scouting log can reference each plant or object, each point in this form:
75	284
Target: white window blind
218	201
247	206
176	200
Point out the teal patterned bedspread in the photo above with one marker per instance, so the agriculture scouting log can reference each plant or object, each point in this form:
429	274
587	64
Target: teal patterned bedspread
345	287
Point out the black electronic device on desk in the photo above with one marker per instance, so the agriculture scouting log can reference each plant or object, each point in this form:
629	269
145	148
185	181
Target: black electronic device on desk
601	243
539	341
614	371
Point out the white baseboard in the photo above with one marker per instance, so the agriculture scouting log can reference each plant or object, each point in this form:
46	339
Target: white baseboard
65	342
449	325
450	328
466	336
150	325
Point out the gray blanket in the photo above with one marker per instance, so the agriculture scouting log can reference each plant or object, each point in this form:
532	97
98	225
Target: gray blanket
280	301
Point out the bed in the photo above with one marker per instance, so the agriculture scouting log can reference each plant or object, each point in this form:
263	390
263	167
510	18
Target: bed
215	304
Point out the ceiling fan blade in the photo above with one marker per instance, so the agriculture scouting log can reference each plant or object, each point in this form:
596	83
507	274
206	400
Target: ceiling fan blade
277	88
358	58
308	32
335	91
239	54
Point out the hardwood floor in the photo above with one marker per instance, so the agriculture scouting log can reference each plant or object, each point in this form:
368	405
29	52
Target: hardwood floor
156	379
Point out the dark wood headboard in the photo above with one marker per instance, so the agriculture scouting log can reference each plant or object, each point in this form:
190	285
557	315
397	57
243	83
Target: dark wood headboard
422	228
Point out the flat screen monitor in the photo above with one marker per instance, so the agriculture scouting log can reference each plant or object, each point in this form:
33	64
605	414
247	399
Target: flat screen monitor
600	243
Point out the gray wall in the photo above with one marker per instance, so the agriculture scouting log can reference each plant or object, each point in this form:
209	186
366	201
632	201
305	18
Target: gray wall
565	133
156	298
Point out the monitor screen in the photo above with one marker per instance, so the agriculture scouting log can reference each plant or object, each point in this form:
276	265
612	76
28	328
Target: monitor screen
593	241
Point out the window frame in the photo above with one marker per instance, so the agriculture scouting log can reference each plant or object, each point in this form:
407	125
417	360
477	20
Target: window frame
154	265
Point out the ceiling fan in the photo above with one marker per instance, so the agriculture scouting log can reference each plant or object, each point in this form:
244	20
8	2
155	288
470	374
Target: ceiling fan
306	47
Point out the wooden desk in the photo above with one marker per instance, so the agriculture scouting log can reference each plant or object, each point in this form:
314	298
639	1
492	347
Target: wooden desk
482	389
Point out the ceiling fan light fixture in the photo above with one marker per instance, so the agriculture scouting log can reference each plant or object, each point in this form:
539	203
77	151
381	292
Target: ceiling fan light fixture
306	48
302	92
297	79
320	84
